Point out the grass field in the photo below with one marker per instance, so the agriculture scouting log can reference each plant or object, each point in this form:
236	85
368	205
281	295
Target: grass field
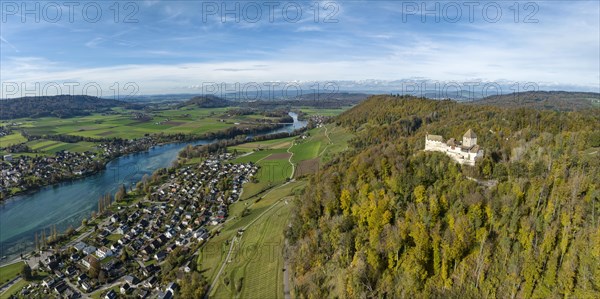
308	155
9	272
272	171
51	146
11	139
324	112
256	260
268	144
121	124
319	147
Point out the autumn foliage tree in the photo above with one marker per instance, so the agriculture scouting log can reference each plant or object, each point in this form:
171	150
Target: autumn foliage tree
388	220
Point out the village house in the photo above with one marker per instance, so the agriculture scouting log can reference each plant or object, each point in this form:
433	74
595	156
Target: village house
125	288
88	261
89	250
110	295
176	216
103	252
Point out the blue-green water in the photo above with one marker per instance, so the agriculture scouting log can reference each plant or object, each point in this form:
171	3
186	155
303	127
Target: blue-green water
67	204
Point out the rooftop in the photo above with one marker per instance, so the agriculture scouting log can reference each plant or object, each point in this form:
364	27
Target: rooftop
470	134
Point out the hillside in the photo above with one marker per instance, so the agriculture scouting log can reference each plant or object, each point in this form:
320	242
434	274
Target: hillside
323	101
387	220
550	100
62	106
208	101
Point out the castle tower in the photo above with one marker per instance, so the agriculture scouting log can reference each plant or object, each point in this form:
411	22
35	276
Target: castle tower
469	139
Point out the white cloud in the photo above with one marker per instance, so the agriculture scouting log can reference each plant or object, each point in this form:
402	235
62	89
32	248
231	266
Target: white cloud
9	44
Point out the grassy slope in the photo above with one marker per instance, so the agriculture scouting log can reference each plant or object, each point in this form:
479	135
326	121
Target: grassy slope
258	247
325	112
271	173
318	145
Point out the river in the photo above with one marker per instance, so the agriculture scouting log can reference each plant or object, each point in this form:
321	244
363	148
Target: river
67	204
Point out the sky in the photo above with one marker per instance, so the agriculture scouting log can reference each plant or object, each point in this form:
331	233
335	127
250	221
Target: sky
163	47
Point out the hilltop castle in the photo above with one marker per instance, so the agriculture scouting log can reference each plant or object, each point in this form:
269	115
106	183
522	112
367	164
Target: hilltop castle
464	153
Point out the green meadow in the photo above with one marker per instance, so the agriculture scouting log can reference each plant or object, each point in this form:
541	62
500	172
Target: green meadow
11	139
324	112
9	272
120	123
274	170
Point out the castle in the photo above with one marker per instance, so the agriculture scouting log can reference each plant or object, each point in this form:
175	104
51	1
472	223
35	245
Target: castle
464	153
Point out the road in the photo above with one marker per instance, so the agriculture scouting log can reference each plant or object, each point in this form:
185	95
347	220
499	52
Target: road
286	275
74	287
7	286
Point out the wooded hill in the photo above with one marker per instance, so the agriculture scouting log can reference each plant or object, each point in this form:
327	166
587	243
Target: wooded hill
550	100
325	101
388	220
62	106
207	101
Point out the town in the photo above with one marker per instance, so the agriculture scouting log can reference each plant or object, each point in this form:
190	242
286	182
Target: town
26	172
141	247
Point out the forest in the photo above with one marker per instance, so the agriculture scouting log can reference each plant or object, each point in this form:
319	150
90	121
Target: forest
549	100
387	220
62	106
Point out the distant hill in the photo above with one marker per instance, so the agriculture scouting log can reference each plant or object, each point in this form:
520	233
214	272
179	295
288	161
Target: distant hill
208	101
548	100
353	98
62	106
308	100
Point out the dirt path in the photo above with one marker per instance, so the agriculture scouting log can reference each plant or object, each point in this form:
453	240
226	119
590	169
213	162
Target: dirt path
290	160
330	142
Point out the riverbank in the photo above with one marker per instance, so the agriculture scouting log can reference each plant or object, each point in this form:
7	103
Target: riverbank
155	140
66	204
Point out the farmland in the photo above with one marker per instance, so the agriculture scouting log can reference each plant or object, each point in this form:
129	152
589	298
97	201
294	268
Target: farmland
9	272
12	139
121	124
318	147
324	112
271	173
281	159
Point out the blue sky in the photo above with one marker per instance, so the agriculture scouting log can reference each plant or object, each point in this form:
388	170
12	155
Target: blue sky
176	46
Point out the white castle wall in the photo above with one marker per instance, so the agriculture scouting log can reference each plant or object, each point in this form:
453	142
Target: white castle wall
455	153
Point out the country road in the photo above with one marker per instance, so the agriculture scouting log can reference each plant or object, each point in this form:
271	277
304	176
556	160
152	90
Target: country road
7	285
